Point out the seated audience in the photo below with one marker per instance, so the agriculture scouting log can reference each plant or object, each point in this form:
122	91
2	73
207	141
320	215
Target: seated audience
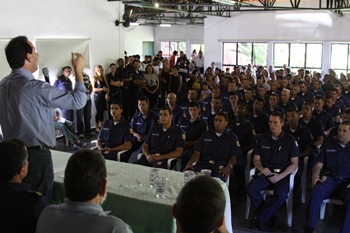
85	184
163	142
216	150
330	178
200	207
67	129
20	207
115	135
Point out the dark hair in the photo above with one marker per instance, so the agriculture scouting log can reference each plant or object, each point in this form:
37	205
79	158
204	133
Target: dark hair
319	97
274	94
84	176
345	123
66	67
328	97
144	98
117	102
165	108
151	67
347	111
113	64
292	110
193	104
120	60
13	157
17	50
223	115
259	99
334	89
307	104
278	114
200	205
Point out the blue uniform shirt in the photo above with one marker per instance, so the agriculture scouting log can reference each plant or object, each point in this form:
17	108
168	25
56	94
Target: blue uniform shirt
326	119
165	142
336	159
276	153
213	147
303	137
115	135
260	122
63	84
314	125
141	125
245	133
193	130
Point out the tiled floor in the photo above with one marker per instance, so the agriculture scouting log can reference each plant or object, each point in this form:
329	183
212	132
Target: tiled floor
331	224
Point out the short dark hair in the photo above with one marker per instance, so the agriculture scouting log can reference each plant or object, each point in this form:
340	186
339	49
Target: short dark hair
278	114
13	156
117	102
16	51
329	97
274	94
346	123
144	98
200	205
259	99
334	89
165	108
319	97
193	104
307	104
84	176
223	115
232	93
113	64
66	67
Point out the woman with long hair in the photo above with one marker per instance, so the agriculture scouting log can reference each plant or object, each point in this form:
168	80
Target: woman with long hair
101	90
151	86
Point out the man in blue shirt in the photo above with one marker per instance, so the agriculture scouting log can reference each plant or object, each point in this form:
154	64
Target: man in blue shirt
275	158
216	150
115	135
171	99
331	176
64	83
163	142
26	109
141	123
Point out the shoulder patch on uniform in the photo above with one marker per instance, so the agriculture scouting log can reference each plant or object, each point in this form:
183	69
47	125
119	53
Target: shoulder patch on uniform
34	193
237	143
296	143
159	163
158	121
207	128
183	136
131	131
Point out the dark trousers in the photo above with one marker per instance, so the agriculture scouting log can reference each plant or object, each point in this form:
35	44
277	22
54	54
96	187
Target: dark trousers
157	164
239	170
112	155
215	168
68	114
260	183
163	94
40	171
327	189
185	158
84	118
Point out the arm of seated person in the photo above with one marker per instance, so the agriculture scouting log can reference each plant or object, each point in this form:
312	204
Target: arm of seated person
291	168
124	146
195	157
174	154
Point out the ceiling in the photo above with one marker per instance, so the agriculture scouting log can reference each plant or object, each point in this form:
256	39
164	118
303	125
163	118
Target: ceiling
193	12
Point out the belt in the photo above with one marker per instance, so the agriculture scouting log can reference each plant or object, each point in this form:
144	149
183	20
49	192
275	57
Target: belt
212	161
40	147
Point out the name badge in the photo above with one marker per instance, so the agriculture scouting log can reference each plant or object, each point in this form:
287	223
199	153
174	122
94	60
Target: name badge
155	134
265	147
208	140
105	128
138	123
330	150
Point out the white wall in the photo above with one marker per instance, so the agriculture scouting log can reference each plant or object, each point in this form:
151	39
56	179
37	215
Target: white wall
67	19
269	27
135	35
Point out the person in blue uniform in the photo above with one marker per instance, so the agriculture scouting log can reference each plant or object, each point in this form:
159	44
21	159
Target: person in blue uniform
142	122
209	115
163	142
20	206
298	101
320	114
306	95
244	130
115	135
259	119
215	92
333	134
84	114
285	102
304	138
171	100
193	128
138	81
275	158
64	83
115	82
330	177
216	150
273	105
192	95
333	109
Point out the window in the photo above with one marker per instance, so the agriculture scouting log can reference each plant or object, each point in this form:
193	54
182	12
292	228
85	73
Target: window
298	55
244	54
197	47
340	60
168	47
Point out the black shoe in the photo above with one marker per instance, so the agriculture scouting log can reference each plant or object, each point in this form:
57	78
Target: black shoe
272	222
255	224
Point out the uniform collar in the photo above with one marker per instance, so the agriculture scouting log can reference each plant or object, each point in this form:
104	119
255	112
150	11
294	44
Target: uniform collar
85	207
22	72
17	186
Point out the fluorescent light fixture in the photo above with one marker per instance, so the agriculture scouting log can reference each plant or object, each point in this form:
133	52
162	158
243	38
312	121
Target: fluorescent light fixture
134	24
156	4
166	25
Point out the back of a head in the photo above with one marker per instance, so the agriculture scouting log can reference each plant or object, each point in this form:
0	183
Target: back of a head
84	175
13	156
16	51
200	205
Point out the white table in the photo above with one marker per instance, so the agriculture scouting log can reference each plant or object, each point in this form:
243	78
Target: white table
130	197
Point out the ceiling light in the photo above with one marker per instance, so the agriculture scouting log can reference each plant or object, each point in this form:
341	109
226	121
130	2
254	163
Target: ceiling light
165	25
156	4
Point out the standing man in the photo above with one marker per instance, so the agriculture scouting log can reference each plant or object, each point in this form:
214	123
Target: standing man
330	176
84	114
115	85
216	150
275	158
64	83
163	142
26	109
